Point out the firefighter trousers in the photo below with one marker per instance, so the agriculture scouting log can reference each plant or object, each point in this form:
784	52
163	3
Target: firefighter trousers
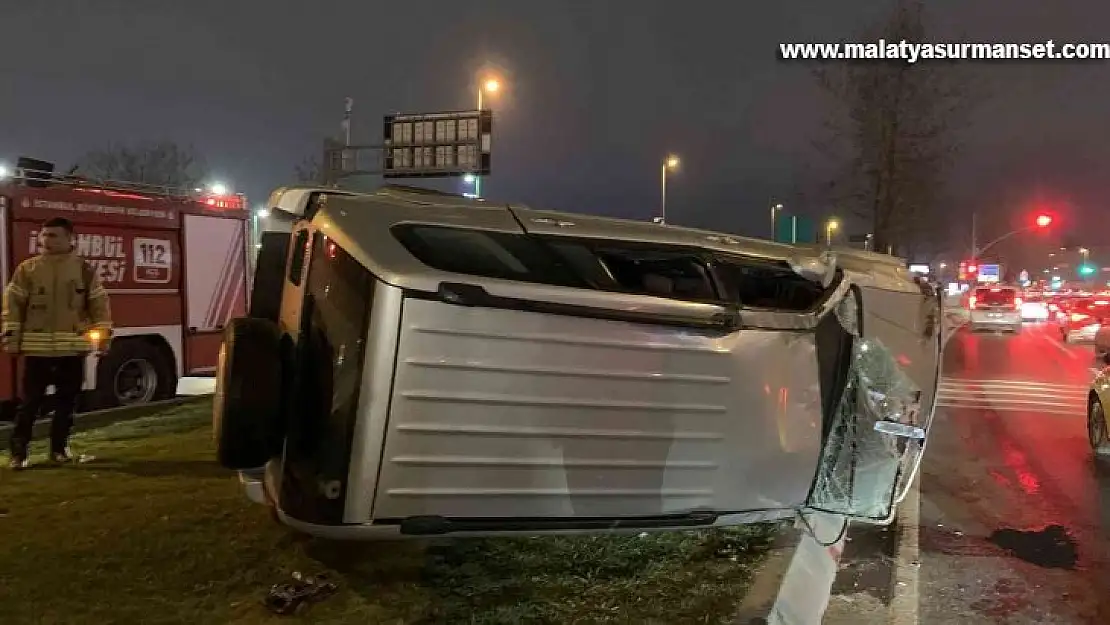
66	374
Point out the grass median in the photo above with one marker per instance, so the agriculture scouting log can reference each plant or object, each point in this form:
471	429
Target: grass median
153	531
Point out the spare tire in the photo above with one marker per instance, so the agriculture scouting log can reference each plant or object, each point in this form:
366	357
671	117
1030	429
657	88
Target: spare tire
269	275
246	407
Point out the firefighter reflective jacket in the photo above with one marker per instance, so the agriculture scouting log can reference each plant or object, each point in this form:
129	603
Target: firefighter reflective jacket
55	306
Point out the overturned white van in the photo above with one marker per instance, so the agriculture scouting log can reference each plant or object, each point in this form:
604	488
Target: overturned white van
421	364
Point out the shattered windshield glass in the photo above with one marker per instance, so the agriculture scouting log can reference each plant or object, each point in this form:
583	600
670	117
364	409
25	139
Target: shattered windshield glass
875	424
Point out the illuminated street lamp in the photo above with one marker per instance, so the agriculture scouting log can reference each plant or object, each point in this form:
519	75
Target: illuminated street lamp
775	208
4	172
218	188
670	163
489	85
830	227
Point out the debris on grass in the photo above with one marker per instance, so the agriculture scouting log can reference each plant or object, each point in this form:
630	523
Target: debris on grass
156	532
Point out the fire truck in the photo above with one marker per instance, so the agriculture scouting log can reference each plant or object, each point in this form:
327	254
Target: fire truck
174	262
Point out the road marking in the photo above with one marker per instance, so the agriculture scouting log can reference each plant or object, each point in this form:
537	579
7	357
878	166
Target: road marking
904	602
1071	411
1012	395
957	383
1060	346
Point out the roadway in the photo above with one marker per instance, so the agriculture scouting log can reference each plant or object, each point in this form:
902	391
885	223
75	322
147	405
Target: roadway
1014	512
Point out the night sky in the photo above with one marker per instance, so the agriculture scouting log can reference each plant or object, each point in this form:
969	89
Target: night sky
596	94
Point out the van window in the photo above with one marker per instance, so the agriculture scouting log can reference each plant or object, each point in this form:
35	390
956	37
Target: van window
755	283
485	253
661	271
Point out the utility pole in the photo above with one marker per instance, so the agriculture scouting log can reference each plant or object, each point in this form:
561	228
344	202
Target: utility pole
974	246
349	104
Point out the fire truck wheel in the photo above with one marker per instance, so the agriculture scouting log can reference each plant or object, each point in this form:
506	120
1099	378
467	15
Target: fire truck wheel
134	371
246	408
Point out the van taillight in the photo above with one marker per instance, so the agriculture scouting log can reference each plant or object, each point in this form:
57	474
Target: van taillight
1078	317
1017	302
971	302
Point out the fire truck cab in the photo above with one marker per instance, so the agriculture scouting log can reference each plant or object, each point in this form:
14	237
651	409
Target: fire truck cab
174	262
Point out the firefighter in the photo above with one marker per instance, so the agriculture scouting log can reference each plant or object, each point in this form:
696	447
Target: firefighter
55	313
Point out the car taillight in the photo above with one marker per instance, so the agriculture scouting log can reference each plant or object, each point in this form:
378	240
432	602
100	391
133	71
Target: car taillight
971	302
1078	317
1053	307
1017	302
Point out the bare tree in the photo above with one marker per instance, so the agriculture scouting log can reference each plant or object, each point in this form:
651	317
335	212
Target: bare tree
894	133
163	163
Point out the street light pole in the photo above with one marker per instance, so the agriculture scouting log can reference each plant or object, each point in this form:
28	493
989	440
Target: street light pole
491	85
477	178
663	194
774	209
671	162
830	227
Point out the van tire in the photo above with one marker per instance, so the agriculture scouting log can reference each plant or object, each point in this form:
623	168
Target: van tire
246	407
135	358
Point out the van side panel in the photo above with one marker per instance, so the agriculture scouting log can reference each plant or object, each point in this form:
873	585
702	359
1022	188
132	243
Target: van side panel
502	413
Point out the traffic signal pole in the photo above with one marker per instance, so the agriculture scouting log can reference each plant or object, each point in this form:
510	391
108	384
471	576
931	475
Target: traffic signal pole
1043	221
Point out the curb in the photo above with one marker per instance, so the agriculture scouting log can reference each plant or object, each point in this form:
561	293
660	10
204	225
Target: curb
905	604
795	583
807	585
761	595
101	418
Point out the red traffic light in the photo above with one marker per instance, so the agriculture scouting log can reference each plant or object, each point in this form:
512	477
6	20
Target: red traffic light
1043	221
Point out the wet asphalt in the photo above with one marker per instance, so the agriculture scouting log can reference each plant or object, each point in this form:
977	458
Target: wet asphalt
1015	511
1014	522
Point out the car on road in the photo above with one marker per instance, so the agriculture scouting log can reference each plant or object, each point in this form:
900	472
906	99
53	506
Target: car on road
1098	428
995	308
422	364
1081	319
1034	307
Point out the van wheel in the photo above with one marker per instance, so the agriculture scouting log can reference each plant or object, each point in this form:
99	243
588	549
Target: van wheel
133	372
246	407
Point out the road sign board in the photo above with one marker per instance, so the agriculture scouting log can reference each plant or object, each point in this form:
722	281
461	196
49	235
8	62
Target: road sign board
795	229
433	145
989	273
